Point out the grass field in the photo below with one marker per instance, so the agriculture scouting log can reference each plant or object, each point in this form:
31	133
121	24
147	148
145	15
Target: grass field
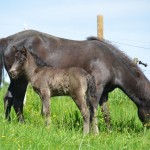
65	132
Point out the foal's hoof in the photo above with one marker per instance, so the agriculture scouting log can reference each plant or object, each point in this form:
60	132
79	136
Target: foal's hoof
85	132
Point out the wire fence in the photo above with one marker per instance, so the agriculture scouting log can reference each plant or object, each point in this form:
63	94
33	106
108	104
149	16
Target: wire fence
142	47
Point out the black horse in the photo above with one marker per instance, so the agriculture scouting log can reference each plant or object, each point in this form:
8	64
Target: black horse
110	67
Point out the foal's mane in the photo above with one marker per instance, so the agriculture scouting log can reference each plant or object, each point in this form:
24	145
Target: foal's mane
39	61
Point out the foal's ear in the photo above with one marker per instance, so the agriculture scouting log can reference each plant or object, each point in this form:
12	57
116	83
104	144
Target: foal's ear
24	51
14	49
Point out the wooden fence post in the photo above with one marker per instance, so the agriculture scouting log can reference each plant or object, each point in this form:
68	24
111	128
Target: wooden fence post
100	26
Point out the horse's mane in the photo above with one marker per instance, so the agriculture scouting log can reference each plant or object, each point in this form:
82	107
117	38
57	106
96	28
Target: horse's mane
142	81
39	61
127	61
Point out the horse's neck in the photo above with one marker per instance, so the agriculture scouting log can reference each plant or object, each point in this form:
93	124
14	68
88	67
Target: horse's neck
136	89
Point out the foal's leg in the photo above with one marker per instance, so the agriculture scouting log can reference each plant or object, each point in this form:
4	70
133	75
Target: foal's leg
94	110
83	107
93	115
93	119
45	97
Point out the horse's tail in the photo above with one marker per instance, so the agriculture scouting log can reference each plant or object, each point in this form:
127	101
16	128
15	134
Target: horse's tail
3	43
91	86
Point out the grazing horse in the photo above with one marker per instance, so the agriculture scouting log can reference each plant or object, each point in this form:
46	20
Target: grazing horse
47	82
110	67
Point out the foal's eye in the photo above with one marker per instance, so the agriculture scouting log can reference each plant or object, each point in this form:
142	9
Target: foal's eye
16	57
20	62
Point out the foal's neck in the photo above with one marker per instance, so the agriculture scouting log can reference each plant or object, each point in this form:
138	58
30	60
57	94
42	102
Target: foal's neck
31	67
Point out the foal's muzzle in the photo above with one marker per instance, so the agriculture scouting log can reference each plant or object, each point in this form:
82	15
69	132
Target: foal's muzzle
12	73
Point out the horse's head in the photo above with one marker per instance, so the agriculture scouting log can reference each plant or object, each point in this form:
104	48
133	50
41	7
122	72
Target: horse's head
144	115
19	63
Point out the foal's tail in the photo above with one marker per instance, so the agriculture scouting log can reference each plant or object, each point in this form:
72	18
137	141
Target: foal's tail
91	86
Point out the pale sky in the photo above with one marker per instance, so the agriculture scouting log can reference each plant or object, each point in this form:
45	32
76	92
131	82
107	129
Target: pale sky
126	22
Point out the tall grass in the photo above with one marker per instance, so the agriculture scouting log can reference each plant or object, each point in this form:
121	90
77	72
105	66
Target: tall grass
65	132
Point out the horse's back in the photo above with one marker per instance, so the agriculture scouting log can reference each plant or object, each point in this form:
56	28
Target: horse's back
91	55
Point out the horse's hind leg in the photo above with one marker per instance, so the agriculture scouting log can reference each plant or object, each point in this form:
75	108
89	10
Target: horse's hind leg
84	109
8	102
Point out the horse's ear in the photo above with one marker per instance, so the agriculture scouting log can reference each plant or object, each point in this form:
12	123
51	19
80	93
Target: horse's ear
14	49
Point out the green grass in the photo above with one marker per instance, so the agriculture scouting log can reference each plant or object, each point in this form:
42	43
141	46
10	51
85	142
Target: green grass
65	132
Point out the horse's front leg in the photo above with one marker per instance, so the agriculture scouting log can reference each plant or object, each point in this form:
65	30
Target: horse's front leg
105	109
18	98
44	94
